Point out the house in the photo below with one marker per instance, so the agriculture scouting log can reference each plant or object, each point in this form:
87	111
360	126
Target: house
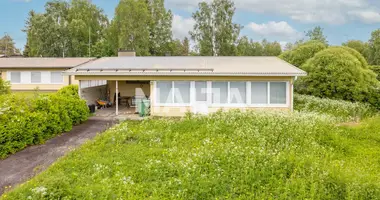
26	74
176	85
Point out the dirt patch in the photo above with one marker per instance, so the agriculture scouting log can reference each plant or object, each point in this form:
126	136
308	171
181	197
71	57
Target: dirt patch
25	164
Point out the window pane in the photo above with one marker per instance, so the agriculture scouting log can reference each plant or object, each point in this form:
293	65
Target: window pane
164	92
201	91
35	77
181	92
259	92
278	93
219	92
15	77
56	77
238	92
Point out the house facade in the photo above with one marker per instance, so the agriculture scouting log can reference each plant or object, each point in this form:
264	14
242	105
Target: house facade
27	74
176	85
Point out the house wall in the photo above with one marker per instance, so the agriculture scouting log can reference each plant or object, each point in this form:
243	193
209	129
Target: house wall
92	94
41	86
128	90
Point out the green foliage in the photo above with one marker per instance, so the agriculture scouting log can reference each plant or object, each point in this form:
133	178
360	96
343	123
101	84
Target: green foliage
25	121
343	110
337	74
5	87
355	53
246	47
7	46
317	34
303	52
65	28
376	69
214	31
233	155
70	90
374	48
360	46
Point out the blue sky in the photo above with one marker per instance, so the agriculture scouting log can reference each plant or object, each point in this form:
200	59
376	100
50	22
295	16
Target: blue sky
280	20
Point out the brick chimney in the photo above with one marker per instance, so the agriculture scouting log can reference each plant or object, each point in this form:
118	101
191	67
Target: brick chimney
126	53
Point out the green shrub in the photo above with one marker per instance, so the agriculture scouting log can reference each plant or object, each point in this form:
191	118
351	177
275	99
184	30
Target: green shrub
71	90
232	155
376	69
337	74
343	110
5	87
302	53
25	121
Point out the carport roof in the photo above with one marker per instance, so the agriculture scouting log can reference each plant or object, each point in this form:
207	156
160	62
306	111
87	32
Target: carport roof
188	66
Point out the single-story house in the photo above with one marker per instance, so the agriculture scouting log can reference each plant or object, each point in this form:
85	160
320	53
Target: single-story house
176	85
26	74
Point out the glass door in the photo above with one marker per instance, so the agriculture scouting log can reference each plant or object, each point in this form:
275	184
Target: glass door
200	105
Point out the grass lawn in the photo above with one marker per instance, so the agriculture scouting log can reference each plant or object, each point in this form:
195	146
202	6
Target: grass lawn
231	155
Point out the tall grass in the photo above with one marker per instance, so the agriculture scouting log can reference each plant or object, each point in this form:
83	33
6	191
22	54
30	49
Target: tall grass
342	110
231	155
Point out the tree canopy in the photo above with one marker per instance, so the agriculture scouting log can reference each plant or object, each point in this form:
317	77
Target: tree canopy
338	74
303	52
317	34
7	46
214	31
374	48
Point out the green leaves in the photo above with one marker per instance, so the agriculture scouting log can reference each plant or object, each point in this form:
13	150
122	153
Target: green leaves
5	87
214	32
65	29
25	121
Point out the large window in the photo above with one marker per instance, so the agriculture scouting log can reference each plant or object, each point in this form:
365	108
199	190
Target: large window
15	77
56	77
219	92
181	92
238	92
35	77
223	93
201	91
259	92
277	93
164	92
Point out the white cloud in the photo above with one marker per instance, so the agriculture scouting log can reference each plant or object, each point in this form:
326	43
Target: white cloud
280	29
181	26
307	11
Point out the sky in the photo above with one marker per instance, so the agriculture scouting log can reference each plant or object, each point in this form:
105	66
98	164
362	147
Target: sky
275	20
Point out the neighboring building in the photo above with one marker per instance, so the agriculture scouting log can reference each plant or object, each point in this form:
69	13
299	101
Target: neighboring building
176	85
26	74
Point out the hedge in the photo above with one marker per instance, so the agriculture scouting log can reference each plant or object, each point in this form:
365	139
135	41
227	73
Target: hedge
342	110
25	121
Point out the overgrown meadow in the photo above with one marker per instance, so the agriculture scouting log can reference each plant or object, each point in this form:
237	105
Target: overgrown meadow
227	155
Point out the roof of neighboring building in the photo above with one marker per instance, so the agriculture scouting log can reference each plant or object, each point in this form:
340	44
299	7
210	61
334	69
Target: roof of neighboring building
188	66
42	62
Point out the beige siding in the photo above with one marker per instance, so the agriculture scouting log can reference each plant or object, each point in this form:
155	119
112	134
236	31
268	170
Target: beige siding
127	89
42	87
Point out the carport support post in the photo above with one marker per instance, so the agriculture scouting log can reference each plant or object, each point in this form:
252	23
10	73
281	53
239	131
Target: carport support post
79	89
117	98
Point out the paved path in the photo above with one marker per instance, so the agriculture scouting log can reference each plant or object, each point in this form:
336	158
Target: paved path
25	164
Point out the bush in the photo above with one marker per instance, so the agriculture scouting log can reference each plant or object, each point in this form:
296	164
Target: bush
302	53
5	87
337	74
71	90
343	110
376	69
25	121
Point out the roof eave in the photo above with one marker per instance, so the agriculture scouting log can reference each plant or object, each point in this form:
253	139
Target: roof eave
178	74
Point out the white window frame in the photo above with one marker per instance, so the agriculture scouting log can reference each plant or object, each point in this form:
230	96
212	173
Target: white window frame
31	82
61	82
268	104
9	77
228	104
172	95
